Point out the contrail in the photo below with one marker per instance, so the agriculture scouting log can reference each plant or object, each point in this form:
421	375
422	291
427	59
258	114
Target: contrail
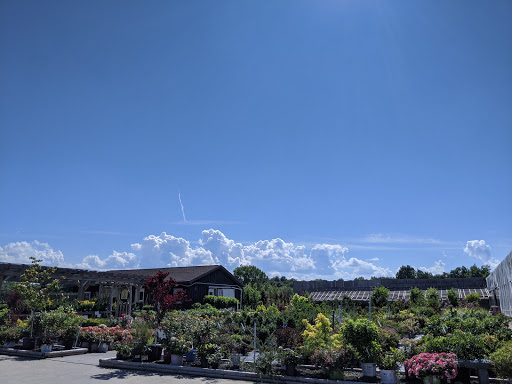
182	208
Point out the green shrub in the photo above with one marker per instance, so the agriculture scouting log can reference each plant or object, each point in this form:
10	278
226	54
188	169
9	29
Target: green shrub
433	299
363	337
416	297
502	360
380	296
453	297
221	302
91	322
473	298
465	345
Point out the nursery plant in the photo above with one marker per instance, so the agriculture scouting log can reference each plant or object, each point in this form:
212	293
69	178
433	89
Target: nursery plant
432	364
320	335
362	336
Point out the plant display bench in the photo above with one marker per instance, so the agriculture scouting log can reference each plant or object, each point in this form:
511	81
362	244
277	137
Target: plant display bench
481	366
215	373
41	355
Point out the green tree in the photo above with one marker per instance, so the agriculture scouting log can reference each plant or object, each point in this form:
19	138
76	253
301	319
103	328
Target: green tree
251	297
473	298
380	296
406	272
423	275
416	297
433	298
453	297
36	285
249	274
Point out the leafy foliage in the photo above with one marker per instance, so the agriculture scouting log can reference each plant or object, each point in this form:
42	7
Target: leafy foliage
36	285
159	288
433	299
502	360
363	336
249	274
416	297
221	302
320	335
380	296
453	297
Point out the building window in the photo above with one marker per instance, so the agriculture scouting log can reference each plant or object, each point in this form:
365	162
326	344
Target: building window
225	292
87	295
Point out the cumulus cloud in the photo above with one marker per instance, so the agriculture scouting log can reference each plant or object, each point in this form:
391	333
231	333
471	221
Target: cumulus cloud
20	252
172	251
481	251
276	257
436	269
118	260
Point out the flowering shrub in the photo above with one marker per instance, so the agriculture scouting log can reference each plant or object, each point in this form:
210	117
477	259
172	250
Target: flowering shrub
125	345
330	359
432	364
101	334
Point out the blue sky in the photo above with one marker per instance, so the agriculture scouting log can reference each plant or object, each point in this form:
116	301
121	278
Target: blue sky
311	139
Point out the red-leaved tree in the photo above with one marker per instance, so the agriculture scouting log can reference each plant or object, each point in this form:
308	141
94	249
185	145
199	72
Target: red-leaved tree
159	288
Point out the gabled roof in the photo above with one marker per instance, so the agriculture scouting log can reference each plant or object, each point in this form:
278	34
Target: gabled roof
182	275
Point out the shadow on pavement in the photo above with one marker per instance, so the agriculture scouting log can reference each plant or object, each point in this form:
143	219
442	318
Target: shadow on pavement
121	374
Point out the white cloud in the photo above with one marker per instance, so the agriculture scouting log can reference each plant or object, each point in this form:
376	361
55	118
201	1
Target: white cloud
436	269
394	239
374	259
480	251
20	252
118	260
356	267
162	250
276	257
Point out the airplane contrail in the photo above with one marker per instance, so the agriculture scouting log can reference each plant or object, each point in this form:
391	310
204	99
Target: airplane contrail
182	208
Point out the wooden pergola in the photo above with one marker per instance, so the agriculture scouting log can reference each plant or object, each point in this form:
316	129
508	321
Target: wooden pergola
109	282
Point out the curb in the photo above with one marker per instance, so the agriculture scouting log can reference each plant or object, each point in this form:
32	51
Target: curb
40	355
215	373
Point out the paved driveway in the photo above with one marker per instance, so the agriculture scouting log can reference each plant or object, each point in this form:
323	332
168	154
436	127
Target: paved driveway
84	369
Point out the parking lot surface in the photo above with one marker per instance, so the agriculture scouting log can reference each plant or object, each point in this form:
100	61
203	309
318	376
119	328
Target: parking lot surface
84	369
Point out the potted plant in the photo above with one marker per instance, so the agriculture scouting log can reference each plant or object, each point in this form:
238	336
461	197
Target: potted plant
124	347
332	361
431	367
176	348
363	335
234	346
215	356
204	351
390	363
142	335
289	359
46	340
10	336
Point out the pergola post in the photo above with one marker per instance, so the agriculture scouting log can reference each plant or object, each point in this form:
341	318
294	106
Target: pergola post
137	293
111	299
130	289
1	281
82	286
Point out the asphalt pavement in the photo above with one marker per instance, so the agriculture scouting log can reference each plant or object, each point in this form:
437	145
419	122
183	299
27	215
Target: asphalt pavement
85	369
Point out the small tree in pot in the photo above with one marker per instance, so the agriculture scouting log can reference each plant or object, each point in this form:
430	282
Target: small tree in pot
362	336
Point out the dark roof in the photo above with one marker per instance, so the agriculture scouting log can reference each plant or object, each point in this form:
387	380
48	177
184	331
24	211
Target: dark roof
182	275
